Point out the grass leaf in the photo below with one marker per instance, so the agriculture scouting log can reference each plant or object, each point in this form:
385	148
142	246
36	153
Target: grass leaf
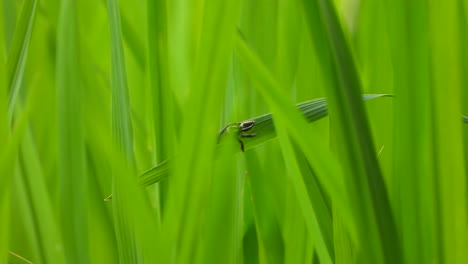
19	52
5	180
264	129
296	127
71	155
355	141
122	133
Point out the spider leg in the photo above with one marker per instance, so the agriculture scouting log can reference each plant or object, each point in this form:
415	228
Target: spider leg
224	129
242	135
248	135
241	143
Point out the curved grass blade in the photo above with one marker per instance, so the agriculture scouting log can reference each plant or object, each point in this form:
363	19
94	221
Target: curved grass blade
19	51
312	110
155	174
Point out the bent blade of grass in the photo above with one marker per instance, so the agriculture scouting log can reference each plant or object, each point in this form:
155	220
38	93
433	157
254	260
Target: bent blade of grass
71	149
264	129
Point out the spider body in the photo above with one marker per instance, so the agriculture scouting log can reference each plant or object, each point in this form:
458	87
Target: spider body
242	128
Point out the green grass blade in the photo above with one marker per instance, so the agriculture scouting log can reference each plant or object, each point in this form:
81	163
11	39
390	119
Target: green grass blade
155	174
414	179
133	40
19	52
43	219
224	211
9	166
321	234
264	129
5	180
15	258
327	170
163	115
270	242
194	170
71	149
133	219
122	132
447	76
355	143
319	200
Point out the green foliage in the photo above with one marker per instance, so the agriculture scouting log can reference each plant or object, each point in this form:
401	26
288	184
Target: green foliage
113	97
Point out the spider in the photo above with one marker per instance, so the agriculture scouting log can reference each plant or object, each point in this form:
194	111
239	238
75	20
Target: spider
242	128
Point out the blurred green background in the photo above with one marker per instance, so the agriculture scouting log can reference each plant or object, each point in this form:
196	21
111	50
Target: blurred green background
94	93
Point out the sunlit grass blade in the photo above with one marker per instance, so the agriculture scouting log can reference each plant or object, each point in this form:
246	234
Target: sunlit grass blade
264	129
447	75
18	51
16	258
122	134
71	155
